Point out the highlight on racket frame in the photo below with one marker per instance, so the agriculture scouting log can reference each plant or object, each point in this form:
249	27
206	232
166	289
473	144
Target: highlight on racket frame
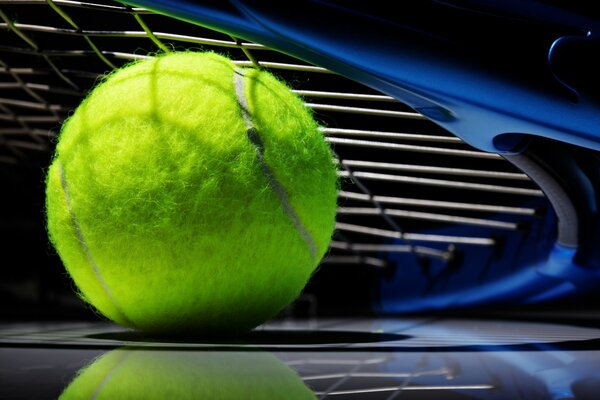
462	183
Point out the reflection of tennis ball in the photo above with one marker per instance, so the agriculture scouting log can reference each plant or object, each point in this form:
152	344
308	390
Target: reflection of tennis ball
160	374
190	195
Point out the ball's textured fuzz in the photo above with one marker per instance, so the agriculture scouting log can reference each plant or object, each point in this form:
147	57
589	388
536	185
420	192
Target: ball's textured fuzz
160	374
187	194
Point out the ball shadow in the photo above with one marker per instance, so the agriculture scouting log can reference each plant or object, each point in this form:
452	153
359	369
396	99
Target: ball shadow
260	337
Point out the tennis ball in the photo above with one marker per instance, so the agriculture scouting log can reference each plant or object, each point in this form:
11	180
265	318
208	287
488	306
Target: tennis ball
160	374
189	195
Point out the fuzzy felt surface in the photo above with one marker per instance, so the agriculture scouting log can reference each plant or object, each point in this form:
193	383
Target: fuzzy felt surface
148	374
159	209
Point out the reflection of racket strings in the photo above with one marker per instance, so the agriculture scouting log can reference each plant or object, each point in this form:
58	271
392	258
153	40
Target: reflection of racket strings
441	183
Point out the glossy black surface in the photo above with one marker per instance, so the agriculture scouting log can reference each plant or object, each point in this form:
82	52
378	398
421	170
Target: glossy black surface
336	358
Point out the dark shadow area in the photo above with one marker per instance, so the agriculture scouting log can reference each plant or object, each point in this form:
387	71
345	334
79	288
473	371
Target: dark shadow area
266	337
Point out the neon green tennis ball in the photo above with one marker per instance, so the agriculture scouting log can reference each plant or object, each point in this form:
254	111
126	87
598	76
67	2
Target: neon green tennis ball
189	195
161	374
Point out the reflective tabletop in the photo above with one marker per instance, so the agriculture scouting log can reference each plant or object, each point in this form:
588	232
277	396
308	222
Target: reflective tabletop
328	358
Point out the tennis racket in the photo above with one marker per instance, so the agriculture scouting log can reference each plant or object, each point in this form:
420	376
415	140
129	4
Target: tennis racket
468	159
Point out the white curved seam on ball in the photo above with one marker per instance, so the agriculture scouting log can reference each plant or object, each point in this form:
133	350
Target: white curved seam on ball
85	246
255	139
109	376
